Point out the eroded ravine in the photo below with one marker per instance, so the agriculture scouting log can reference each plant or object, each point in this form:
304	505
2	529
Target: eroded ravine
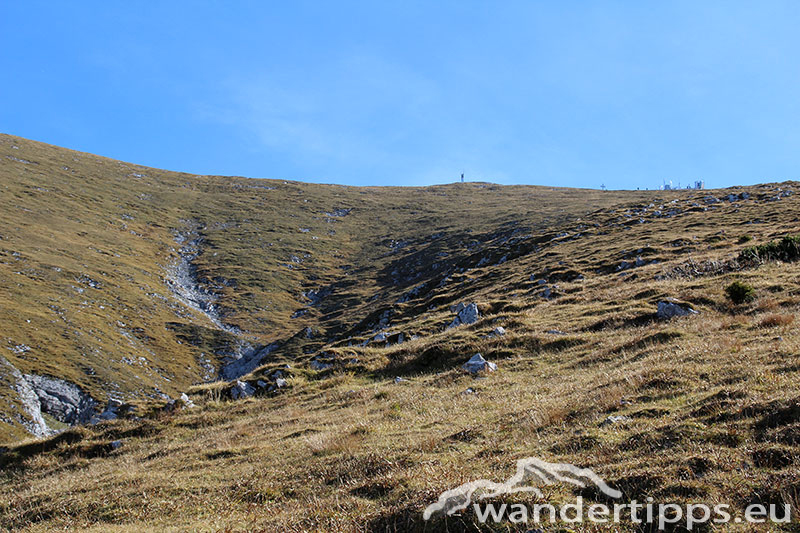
184	282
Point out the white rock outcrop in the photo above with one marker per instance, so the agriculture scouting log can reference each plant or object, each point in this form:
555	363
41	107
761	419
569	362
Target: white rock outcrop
467	314
478	364
668	309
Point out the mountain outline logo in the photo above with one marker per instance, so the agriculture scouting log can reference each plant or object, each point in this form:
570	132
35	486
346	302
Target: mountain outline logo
531	468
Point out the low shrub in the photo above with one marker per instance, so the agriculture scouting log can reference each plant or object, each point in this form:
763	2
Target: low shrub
787	249
740	293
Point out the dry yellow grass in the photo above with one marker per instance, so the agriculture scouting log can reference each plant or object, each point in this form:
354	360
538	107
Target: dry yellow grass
711	401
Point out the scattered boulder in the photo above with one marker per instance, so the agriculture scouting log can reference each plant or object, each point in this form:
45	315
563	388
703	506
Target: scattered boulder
114	409
668	309
241	390
478	364
467	314
319	365
499	331
187	402
615	419
339	212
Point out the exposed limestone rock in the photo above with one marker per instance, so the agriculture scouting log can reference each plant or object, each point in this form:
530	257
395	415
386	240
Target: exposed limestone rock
319	365
499	331
668	309
62	400
114	409
478	364
241	390
467	314
28	402
246	359
614	419
187	402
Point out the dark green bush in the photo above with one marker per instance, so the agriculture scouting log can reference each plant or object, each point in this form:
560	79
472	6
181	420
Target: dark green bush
740	293
787	249
745	239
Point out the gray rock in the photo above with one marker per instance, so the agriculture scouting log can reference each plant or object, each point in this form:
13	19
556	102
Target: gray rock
499	331
187	402
246	359
668	309
62	400
339	212
281	383
478	364
467	314
111	412
30	416
614	419
319	365
116	444
241	390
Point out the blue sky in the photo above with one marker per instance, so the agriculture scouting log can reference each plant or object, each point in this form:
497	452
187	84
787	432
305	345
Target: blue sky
414	93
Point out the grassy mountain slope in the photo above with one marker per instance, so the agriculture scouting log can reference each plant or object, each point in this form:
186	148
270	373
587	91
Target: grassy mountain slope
708	403
87	242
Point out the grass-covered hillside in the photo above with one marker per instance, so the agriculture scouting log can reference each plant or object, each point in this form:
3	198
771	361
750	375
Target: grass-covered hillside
135	284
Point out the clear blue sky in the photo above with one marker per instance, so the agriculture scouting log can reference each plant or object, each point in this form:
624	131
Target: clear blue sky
557	93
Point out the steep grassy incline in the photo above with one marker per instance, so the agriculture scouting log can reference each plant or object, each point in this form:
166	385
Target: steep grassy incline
353	288
88	248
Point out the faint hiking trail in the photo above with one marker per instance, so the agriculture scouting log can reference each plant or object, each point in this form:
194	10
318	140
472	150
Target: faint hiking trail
183	281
